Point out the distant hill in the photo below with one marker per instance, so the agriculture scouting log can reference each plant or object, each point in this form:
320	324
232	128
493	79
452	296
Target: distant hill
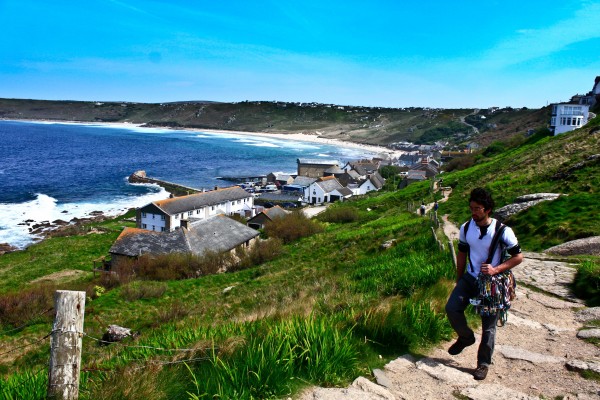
372	125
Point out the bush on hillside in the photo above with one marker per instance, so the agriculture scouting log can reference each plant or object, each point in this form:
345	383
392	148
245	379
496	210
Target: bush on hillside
460	163
174	266
18	309
261	252
292	227
339	215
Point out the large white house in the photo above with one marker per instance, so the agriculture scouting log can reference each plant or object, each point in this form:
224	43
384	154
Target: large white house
568	116
169	214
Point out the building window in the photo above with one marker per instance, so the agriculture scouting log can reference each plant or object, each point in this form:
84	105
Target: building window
153	228
152	216
143	215
190	213
176	216
162	217
144	226
162	228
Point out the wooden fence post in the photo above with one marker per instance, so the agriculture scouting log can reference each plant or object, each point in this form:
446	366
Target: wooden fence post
451	246
65	345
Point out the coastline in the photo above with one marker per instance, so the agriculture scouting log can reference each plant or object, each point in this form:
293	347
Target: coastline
382	151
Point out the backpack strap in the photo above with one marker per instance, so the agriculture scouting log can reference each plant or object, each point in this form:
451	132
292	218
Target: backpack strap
466	229
500	228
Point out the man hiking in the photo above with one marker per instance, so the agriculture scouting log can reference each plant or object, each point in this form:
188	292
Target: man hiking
473	249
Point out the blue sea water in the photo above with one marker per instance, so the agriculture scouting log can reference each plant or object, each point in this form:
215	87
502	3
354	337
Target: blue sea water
51	171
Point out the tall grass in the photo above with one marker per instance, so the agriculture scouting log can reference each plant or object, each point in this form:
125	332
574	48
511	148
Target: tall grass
587	282
267	363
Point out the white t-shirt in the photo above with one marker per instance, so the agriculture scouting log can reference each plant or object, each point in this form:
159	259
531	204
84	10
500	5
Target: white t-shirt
479	247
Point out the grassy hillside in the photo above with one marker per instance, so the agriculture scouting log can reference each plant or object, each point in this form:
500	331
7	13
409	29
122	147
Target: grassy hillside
373	125
331	306
568	164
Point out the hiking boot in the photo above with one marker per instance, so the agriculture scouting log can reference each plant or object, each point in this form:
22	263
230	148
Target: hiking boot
459	346
481	372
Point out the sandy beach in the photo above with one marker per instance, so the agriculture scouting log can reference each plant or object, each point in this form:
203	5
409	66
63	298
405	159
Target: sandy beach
383	152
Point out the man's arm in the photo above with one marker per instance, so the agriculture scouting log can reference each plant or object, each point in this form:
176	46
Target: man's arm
461	262
512	262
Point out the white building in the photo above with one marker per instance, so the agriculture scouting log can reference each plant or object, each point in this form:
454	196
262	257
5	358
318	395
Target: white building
169	214
567	117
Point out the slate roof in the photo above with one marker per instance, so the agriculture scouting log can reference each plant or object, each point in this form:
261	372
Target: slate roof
195	201
344	191
275	212
303	181
218	234
334	170
416	175
329	185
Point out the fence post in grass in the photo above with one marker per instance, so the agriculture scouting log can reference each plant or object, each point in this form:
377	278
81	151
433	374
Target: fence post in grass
451	246
65	345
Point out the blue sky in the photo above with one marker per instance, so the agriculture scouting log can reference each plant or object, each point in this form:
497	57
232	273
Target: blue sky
451	54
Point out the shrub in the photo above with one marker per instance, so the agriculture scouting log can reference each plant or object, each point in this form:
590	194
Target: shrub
292	227
174	266
143	290
339	215
18	309
261	252
460	163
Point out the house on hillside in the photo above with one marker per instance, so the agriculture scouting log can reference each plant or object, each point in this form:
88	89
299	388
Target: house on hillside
268	214
575	113
370	183
568	116
215	234
412	176
167	215
326	190
314	168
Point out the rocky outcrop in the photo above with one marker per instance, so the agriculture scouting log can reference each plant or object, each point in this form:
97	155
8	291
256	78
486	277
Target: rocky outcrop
586	246
522	203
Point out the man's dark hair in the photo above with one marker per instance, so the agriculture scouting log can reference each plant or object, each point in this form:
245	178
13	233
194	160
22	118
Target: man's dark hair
483	197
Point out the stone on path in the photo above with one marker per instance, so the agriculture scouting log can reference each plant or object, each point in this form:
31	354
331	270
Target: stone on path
382	379
579	365
589	333
588	314
494	392
451	376
518	353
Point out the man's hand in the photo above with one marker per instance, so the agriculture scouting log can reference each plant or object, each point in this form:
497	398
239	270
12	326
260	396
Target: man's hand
488	269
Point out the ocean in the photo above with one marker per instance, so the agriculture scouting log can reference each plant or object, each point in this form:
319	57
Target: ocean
60	171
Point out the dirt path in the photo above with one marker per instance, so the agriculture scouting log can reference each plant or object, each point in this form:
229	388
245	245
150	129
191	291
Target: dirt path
536	351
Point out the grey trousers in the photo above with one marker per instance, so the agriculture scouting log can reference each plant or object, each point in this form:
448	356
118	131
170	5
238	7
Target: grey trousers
465	289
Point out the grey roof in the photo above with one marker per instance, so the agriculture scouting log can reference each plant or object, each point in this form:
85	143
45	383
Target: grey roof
275	212
303	181
415	174
377	180
353	174
195	201
345	191
334	170
329	185
218	234
315	161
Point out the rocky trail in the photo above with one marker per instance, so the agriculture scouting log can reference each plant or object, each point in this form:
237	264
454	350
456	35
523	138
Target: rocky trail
539	352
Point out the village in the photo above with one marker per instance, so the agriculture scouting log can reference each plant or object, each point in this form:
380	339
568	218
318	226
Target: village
210	220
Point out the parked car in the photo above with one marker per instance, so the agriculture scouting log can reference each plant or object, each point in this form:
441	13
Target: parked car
290	205
268	204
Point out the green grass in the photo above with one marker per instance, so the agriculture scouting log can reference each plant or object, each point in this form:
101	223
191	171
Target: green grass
329	307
